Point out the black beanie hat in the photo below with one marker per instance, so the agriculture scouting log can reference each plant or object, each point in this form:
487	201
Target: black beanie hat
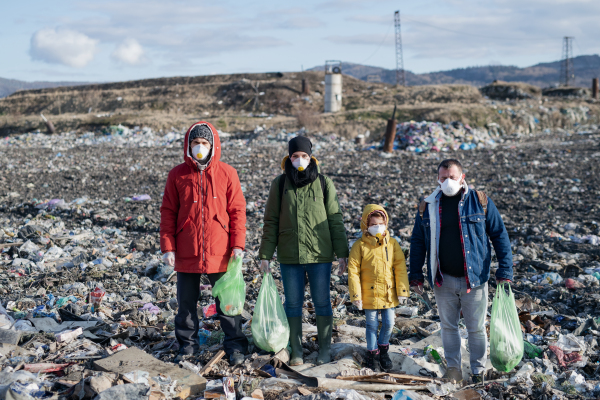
300	143
201	131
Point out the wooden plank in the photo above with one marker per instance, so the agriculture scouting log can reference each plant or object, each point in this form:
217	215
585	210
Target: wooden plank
379	377
206	369
5	245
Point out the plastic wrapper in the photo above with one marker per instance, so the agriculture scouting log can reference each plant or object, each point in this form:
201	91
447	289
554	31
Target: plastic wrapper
231	288
270	328
506	339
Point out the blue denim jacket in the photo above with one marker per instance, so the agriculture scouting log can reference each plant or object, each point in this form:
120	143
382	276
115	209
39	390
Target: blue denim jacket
476	228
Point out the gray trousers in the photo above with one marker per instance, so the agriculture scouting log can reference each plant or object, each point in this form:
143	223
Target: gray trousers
451	298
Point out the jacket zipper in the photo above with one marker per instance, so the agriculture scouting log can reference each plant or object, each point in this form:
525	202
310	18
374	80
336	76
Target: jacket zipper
462	241
201	215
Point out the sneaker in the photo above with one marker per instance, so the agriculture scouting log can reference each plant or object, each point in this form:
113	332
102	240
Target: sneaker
236	358
453	374
478	378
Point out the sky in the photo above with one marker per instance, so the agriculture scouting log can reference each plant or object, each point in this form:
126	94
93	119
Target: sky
104	41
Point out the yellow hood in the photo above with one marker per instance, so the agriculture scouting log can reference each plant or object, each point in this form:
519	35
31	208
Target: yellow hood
286	157
369	209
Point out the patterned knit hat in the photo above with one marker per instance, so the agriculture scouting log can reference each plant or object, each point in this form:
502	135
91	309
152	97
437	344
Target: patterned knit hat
201	131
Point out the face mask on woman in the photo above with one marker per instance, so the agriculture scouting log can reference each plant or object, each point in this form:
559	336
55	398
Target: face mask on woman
300	163
200	152
450	187
376	230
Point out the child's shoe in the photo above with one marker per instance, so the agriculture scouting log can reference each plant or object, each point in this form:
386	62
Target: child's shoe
373	361
384	358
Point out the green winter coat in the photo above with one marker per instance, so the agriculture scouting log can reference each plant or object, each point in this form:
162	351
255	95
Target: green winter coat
306	228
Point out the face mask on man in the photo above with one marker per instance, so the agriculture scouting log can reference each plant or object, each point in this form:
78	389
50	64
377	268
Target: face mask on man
200	152
376	230
450	187
300	163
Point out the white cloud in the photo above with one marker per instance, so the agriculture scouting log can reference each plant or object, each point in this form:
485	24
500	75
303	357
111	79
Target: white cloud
130	51
62	46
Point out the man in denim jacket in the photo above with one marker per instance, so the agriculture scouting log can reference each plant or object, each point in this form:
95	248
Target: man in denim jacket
451	233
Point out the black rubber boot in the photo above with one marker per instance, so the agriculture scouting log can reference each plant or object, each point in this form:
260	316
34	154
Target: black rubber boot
384	357
324	331
373	361
296	340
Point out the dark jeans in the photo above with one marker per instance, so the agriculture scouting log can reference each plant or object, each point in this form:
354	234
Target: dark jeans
319	277
186	321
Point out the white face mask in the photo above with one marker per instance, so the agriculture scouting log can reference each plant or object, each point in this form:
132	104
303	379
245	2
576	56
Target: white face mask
200	152
450	187
376	230
300	163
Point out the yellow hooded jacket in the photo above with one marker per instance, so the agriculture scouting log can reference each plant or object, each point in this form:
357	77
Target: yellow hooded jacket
376	268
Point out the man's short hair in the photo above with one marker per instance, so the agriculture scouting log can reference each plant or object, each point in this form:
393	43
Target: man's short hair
449	163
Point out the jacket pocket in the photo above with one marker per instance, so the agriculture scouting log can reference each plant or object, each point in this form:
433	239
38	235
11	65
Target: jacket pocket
219	237
186	240
287	244
477	224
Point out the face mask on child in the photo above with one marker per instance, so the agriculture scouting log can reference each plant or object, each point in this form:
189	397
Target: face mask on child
300	163
376	230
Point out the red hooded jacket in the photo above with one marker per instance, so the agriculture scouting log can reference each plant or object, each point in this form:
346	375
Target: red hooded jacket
203	213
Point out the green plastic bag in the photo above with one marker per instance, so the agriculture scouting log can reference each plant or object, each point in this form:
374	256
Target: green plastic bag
270	328
231	288
506	339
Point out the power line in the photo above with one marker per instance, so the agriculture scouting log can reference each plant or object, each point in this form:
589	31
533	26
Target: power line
477	35
380	44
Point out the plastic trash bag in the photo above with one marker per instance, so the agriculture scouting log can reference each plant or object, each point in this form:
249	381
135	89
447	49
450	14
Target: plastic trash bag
270	328
407	395
506	339
231	289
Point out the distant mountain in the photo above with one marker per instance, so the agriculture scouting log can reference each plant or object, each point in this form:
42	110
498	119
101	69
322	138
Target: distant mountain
9	86
542	75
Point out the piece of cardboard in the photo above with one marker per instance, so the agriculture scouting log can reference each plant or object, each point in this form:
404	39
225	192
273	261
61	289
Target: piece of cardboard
133	359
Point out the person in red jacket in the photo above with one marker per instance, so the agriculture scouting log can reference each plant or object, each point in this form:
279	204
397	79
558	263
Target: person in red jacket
202	225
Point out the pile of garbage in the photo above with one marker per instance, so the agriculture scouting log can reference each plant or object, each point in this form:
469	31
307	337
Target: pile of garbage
87	306
426	136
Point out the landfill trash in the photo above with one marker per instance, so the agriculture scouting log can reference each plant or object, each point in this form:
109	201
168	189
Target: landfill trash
96	297
506	339
435	355
142	197
442	389
231	288
404	394
113	244
531	350
68	336
209	310
270	328
426	136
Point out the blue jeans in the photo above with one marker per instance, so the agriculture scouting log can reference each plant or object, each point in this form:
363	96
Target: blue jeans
451	298
387	326
319	276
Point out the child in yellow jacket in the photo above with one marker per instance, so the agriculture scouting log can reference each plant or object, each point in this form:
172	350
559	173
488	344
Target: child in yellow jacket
378	282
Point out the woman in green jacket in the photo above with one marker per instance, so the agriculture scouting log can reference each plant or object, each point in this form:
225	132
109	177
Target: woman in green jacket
304	222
